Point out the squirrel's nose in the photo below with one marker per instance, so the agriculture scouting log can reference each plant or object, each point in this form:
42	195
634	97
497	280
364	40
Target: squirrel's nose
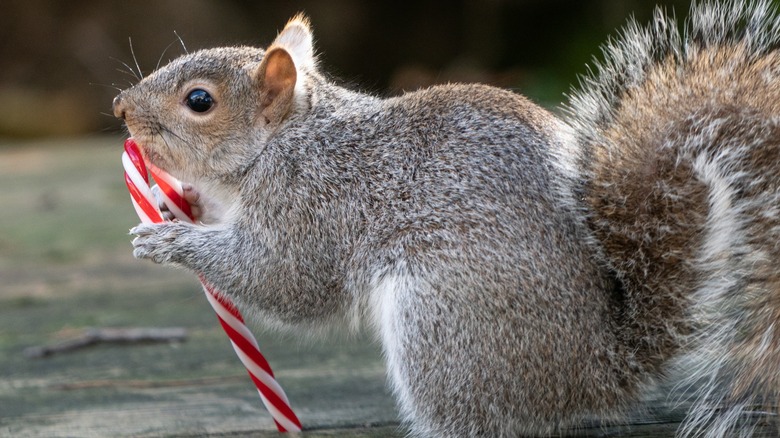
119	109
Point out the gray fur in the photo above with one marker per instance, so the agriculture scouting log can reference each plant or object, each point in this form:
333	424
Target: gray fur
518	277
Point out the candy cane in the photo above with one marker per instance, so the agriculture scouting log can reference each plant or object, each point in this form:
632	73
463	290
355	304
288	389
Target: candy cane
244	344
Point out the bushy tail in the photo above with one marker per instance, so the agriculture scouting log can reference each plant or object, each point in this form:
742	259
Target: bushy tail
681	138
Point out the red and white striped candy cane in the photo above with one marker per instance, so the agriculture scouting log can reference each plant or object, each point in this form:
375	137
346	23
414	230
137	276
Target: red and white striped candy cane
244	343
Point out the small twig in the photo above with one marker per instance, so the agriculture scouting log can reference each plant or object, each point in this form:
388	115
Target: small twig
146	384
96	336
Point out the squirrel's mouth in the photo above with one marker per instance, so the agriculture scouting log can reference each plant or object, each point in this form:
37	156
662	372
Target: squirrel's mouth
144	136
153	158
150	156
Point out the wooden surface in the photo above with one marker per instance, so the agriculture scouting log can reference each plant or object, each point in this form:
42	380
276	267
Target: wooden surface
65	267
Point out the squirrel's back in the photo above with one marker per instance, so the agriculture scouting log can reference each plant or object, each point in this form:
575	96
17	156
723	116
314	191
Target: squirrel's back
480	277
681	140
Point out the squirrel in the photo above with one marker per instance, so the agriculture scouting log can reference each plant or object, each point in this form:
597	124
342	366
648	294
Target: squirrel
523	271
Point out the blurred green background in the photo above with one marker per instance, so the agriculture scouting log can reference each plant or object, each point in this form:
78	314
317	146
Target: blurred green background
60	61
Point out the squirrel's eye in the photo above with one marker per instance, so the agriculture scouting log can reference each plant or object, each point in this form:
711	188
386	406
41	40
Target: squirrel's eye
199	100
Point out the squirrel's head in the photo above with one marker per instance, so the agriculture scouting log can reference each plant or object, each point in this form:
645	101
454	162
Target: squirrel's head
208	113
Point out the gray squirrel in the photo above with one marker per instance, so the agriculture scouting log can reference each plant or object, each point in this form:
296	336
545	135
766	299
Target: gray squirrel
523	272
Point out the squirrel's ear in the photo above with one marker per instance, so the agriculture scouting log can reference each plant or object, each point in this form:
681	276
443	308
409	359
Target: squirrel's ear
296	38
276	78
285	62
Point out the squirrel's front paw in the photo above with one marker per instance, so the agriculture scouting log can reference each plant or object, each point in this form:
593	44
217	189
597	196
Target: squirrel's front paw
160	243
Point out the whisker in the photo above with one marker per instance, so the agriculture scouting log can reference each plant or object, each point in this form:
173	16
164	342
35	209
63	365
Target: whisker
163	54
161	133
132	52
131	74
114	130
105	85
165	129
182	43
165	140
129	69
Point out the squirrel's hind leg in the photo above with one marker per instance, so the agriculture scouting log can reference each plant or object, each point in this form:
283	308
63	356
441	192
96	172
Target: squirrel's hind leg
462	362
